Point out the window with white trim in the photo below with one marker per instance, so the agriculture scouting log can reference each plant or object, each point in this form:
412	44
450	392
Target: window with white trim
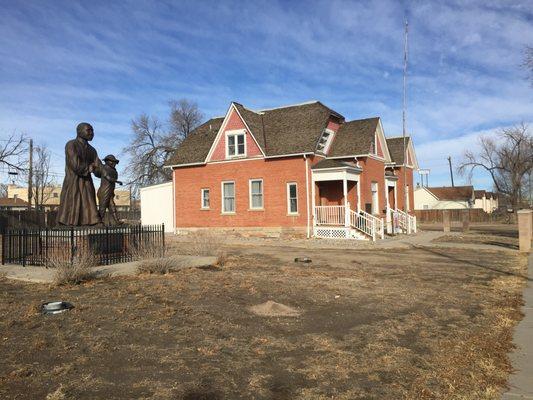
325	141
205	199
228	197
235	144
292	198
256	194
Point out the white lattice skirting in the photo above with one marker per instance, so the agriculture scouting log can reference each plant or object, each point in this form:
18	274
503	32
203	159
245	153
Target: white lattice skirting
331	232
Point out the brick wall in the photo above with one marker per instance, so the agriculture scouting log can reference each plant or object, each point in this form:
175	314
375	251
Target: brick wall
276	173
373	171
400	188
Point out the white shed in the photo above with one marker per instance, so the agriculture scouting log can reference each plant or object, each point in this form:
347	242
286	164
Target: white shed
157	206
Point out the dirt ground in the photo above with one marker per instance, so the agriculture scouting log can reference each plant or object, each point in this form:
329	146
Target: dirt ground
419	323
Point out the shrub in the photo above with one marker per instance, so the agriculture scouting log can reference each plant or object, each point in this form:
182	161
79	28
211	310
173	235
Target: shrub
203	244
75	272
159	265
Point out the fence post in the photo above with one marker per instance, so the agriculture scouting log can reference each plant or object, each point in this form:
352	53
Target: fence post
106	245
163	237
71	245
24	247
2	247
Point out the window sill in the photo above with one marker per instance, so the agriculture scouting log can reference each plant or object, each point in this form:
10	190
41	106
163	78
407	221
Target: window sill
256	209
228	213
236	157
293	214
205	209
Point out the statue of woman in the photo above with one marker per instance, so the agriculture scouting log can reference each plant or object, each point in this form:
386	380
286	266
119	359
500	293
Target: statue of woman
77	206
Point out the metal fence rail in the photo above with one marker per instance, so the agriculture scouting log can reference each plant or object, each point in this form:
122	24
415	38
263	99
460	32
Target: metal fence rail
109	245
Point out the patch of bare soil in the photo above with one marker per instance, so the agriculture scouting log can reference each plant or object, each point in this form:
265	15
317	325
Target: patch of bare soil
273	309
420	323
497	235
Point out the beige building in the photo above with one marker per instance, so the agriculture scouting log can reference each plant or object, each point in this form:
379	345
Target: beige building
487	201
444	198
52	194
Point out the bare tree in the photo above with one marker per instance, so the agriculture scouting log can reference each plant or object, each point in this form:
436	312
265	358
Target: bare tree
147	151
12	152
508	159
152	142
184	117
3	190
42	180
528	62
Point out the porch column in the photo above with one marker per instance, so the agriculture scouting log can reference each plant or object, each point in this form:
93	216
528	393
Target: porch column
359	195
313	198
346	203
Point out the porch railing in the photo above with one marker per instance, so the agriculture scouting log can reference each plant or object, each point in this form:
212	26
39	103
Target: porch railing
344	216
368	224
330	215
406	222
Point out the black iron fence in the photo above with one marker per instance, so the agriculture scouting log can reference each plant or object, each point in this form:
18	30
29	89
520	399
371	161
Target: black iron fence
109	245
15	219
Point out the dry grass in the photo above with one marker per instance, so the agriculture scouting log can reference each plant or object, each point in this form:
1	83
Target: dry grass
158	265
202	243
81	269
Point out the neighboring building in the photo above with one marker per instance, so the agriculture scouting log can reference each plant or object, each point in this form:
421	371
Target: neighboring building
52	194
444	198
299	168
156	205
487	201
13	204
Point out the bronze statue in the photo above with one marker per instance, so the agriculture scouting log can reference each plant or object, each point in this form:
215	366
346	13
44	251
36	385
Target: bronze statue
77	205
106	192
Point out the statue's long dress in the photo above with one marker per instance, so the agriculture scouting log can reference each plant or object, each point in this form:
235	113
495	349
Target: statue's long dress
78	199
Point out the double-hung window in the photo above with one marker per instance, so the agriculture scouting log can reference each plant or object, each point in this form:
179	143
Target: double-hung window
256	194
235	144
228	197
205	199
292	198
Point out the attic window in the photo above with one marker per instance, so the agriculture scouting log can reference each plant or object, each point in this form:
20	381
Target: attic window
325	141
235	144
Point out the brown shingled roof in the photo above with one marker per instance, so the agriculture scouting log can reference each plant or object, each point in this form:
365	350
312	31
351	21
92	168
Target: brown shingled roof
12	202
195	147
395	146
458	193
285	130
478	194
329	163
354	138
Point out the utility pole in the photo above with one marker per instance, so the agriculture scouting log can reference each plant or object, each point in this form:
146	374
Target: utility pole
451	170
405	194
30	176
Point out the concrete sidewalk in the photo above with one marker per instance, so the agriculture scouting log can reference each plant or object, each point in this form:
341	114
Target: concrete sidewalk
46	275
521	382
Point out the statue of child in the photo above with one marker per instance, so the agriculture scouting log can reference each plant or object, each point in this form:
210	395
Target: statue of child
106	191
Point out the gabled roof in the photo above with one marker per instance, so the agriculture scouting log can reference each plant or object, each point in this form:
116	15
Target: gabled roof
12	202
195	147
285	130
456	193
354	138
395	146
478	194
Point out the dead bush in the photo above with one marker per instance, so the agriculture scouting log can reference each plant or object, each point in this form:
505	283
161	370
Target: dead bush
74	272
148	251
203	244
159	265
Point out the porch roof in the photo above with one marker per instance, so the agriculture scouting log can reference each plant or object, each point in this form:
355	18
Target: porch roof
328	163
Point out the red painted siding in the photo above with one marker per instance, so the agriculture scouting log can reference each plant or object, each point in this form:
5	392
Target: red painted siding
234	122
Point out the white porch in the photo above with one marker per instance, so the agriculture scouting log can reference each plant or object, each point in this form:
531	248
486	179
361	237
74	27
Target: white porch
338	214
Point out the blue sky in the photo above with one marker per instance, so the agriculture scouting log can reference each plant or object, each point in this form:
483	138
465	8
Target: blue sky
104	62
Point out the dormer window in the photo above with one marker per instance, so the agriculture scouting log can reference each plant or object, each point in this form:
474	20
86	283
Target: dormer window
325	141
235	144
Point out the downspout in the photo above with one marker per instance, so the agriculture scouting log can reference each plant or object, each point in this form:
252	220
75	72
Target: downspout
307	195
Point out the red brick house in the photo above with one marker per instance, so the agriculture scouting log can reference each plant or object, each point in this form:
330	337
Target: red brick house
301	167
